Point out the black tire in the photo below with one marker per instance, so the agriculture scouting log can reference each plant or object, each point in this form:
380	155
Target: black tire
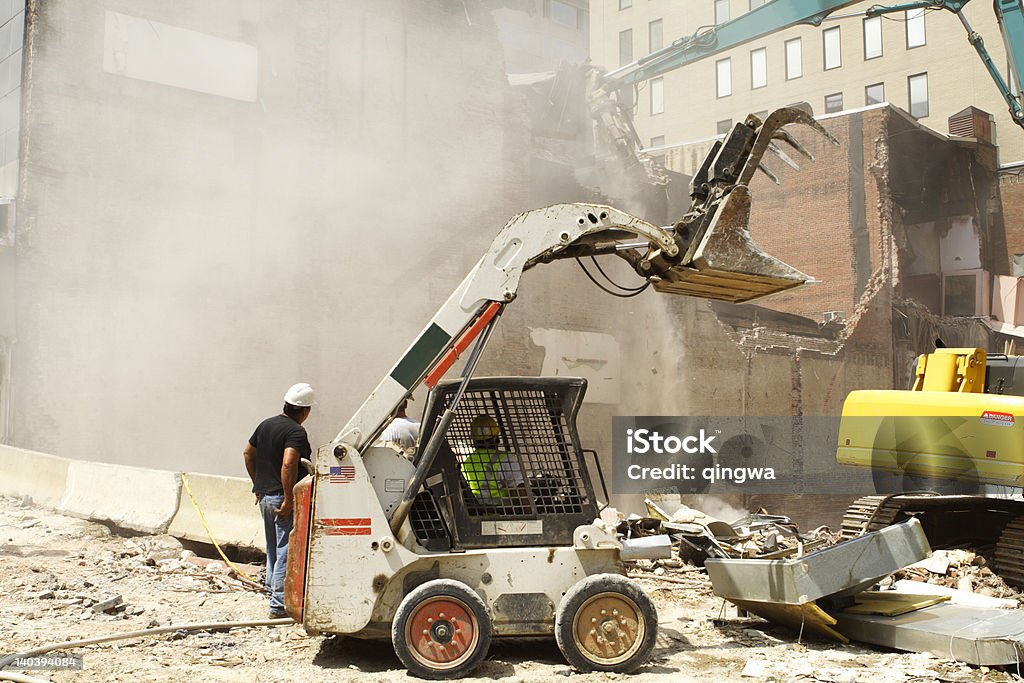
606	623
429	630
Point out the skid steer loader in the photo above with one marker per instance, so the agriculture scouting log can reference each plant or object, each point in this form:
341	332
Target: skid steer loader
489	530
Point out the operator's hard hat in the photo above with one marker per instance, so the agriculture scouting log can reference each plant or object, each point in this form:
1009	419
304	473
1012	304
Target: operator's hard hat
300	395
483	427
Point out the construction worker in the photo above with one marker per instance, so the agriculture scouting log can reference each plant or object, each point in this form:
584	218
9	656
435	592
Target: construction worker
272	460
493	476
402	432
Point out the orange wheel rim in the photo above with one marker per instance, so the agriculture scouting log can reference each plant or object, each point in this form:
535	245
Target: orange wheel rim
608	628
442	632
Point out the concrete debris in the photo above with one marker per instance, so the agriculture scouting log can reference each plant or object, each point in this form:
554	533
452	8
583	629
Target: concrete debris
110	604
161	547
962	570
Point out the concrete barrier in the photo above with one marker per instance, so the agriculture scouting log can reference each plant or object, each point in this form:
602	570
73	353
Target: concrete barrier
131	497
27	473
229	508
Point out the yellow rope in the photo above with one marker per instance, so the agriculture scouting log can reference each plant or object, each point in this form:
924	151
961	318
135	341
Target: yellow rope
241	575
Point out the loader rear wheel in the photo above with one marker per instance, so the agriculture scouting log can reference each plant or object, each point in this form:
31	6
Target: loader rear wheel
606	623
441	630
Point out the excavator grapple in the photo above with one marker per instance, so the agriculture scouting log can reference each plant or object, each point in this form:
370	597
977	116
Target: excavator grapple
718	258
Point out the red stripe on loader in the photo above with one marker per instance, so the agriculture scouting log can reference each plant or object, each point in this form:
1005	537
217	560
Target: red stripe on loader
462	344
344	521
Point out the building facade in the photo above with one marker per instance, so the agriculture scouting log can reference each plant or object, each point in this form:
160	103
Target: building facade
920	61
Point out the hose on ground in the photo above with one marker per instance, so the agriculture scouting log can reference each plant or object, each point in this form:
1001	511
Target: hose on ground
210	626
241	575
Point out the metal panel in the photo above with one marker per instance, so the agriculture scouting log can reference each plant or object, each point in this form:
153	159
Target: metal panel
843	569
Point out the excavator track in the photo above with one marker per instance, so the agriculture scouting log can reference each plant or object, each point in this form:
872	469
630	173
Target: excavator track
950	521
1009	562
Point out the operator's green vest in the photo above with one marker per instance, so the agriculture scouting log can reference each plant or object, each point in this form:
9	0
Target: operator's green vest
480	469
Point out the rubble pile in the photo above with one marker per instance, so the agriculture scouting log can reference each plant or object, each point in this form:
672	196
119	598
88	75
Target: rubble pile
962	570
696	536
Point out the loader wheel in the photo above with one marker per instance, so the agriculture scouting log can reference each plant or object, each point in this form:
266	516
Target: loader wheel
606	623
441	630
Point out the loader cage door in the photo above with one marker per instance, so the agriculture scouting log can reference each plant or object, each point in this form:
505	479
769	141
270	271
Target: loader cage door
524	481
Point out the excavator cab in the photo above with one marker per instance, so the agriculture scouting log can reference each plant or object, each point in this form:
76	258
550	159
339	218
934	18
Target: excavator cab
510	471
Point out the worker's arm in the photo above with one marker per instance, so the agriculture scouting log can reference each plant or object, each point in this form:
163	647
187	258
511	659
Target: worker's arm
289	475
249	454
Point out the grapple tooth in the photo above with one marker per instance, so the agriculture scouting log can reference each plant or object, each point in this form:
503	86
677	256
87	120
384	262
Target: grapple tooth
787	137
774	149
774	123
764	169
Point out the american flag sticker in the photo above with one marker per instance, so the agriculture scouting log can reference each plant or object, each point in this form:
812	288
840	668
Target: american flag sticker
342	475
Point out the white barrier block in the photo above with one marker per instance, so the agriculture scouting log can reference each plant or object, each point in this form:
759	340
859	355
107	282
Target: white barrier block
131	497
229	508
27	473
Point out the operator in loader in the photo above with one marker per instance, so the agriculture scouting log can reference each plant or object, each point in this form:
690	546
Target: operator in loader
494	477
272	461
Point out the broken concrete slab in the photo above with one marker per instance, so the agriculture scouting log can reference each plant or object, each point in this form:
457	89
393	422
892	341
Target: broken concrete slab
983	637
841	570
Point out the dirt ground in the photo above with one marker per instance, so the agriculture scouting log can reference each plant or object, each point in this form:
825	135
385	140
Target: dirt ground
55	569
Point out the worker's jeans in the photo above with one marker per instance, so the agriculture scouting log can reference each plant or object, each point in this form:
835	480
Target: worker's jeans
276	530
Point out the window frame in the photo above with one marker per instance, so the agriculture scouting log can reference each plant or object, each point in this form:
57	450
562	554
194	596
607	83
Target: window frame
719	80
907	25
835	94
626	33
625	4
910	96
872	85
661	35
728	11
764	67
825	35
656	84
728	127
876	21
800	58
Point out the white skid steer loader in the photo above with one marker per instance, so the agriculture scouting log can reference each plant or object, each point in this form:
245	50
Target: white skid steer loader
488	530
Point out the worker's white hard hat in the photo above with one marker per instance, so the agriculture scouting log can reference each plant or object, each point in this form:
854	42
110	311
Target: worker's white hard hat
300	395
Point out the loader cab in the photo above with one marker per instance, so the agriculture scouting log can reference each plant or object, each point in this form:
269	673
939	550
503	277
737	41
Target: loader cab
516	438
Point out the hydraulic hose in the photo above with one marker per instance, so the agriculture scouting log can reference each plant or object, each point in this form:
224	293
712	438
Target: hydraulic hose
210	626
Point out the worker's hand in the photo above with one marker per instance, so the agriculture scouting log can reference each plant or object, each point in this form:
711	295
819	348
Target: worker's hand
285	509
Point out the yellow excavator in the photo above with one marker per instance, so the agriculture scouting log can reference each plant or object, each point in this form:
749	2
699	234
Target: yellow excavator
952	446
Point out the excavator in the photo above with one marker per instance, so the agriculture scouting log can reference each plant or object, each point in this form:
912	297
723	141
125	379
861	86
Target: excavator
585	103
412	550
940	445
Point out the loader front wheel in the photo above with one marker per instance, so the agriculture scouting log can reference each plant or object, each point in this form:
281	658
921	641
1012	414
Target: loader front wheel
606	623
441	630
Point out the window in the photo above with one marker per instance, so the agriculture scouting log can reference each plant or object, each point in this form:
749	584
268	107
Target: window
654	35
721	11
758	68
872	37
625	4
833	103
794	59
833	50
564	14
918	87
915	28
754	4
625	47
724	127
657	96
874	94
657	142
761	114
723	77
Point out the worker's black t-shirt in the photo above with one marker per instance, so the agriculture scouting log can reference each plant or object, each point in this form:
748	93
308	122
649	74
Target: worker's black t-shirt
271	437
